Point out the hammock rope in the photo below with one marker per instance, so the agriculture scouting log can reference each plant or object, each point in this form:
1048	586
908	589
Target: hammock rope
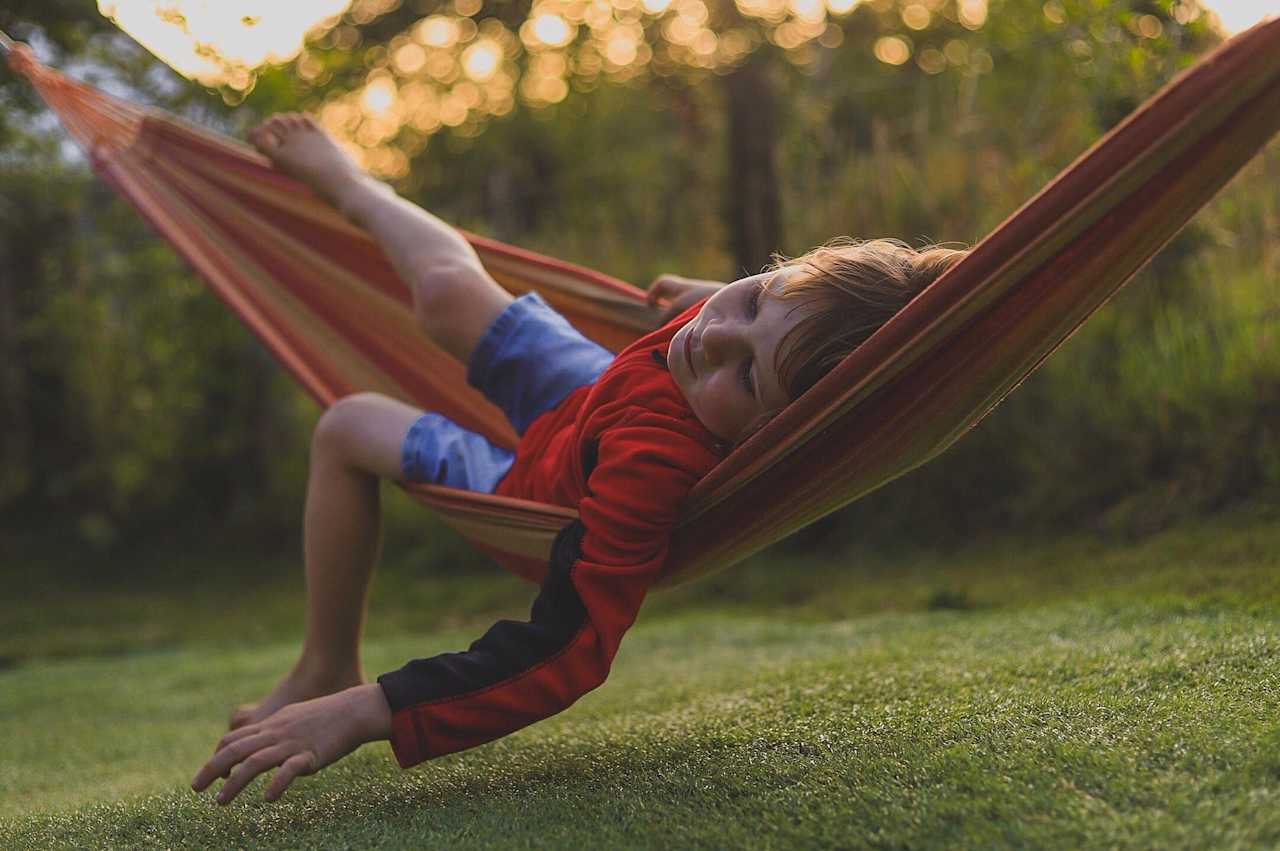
319	293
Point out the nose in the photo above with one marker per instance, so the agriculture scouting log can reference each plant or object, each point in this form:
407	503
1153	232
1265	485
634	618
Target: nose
721	341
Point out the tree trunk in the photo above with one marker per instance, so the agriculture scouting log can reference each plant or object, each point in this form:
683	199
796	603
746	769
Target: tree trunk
753	198
502	205
15	433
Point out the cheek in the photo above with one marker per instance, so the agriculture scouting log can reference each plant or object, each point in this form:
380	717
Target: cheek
722	397
717	387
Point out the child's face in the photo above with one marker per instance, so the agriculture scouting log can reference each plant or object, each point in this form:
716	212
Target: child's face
725	359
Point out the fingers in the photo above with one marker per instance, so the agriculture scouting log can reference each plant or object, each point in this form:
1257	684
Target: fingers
680	304
663	286
227	757
651	295
679	293
249	758
261	761
302	737
299	763
237	734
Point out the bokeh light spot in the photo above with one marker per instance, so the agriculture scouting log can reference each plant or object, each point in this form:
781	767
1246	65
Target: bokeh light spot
552	30
972	13
892	50
378	97
437	31
480	61
409	58
916	16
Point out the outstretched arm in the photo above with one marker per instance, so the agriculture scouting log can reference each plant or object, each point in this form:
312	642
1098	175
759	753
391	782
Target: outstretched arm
519	672
600	570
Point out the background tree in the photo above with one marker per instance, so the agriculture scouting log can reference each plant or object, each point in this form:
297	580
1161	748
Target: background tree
127	395
132	401
390	76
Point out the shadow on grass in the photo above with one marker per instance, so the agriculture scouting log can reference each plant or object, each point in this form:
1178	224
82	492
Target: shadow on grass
1064	727
658	793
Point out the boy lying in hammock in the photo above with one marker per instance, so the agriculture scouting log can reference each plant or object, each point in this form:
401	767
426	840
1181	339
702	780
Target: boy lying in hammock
621	439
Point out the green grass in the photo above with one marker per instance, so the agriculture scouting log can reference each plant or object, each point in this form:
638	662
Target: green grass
1013	693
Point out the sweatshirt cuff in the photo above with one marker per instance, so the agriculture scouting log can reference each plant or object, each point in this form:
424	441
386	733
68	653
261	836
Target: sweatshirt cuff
408	734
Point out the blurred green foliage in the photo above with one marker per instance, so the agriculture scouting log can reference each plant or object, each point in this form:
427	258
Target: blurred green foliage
132	400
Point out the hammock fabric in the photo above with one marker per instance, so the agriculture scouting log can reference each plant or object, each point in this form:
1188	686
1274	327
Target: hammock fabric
321	296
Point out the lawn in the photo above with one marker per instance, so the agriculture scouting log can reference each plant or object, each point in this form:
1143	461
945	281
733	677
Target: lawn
1065	693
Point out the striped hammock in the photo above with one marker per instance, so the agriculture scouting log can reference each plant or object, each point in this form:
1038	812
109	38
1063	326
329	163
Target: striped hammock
322	297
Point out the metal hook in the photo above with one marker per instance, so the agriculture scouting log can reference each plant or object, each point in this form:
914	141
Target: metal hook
6	43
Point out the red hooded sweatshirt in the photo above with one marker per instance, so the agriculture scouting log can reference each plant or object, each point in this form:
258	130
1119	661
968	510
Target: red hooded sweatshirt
625	452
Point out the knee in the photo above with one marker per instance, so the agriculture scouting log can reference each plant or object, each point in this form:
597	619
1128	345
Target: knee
433	306
426	311
442	295
339	426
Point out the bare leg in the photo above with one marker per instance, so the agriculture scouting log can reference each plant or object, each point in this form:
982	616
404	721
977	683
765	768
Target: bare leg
455	299
356	443
358	440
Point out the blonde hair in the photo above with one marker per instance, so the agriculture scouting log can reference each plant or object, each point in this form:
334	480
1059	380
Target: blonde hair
856	286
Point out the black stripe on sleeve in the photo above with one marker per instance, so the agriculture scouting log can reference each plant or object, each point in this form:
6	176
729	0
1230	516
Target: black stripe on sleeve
509	647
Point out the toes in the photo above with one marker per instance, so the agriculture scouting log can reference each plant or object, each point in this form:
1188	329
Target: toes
265	140
269	134
274	131
274	125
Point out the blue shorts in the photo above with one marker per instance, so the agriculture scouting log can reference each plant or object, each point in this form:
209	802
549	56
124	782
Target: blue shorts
526	363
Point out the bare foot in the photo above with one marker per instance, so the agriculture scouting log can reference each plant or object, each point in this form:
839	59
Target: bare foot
299	147
296	687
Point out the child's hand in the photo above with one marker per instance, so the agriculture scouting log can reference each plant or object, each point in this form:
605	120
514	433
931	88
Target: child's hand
682	293
301	738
